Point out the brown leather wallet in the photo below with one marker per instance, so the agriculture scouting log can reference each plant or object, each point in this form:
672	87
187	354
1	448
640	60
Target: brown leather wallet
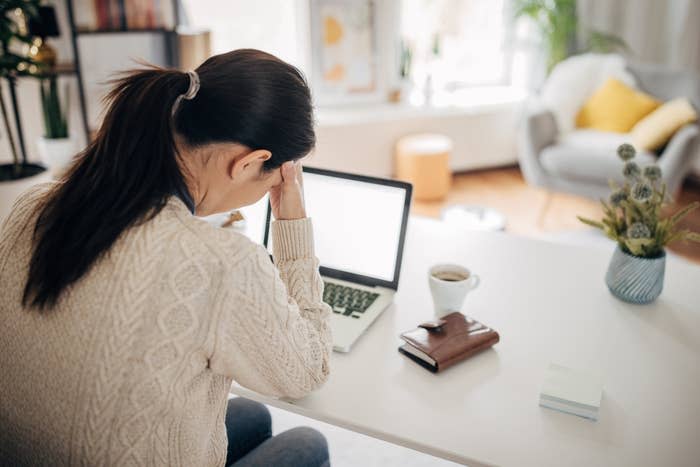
439	344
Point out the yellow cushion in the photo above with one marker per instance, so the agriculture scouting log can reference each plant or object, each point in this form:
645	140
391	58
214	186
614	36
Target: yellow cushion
615	107
654	130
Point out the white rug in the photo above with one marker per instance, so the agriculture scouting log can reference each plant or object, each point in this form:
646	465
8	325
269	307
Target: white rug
350	449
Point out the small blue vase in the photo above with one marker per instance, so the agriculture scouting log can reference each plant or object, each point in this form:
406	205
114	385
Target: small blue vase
634	279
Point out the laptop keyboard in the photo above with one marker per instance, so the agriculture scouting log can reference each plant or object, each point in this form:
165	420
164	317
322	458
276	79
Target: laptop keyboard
347	301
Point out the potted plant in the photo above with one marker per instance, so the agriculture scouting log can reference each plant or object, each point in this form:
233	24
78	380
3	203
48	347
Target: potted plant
18	175
558	24
56	149
633	218
404	85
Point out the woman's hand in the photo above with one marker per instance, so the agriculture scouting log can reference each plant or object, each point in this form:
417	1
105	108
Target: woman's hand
287	198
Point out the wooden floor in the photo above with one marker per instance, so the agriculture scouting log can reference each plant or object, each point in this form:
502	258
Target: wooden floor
532	211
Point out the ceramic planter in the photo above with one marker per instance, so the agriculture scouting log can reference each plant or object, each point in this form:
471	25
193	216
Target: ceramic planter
56	153
634	279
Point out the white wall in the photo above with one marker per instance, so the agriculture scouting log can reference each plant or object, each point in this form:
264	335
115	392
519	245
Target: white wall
282	38
363	140
657	31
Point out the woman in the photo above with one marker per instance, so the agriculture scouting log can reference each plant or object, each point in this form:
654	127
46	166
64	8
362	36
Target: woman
125	319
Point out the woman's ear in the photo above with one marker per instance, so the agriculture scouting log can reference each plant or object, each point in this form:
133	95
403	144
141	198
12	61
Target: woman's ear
241	163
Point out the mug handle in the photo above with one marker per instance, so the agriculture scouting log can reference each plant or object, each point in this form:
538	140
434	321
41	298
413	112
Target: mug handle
474	281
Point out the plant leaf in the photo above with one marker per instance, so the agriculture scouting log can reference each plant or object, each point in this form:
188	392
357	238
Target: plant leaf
678	235
678	216
590	222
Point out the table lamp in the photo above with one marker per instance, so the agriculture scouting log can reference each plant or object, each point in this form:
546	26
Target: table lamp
43	26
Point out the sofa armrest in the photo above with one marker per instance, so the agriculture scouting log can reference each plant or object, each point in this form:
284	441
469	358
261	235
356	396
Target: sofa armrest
679	155
537	131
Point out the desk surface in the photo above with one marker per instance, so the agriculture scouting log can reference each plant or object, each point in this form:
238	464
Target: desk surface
550	304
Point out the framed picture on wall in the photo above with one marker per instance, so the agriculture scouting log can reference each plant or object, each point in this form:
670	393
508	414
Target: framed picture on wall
345	53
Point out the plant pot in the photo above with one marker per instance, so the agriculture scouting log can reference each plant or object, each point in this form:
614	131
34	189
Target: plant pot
634	279
31	174
56	153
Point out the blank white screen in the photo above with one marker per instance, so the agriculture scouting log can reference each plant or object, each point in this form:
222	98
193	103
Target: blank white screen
357	224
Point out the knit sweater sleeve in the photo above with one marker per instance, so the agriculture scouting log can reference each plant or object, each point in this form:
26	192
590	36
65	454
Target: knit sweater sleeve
273	334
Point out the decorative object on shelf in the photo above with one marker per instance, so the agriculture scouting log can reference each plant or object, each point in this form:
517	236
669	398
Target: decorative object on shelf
42	27
633	219
559	27
402	90
194	47
20	174
56	148
429	84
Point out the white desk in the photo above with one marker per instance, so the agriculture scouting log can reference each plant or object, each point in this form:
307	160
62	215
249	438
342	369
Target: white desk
549	303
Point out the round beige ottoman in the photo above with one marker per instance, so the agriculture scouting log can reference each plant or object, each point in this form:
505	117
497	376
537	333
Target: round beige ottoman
424	160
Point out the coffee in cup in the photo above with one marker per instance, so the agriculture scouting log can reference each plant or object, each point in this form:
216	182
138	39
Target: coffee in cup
449	284
450	276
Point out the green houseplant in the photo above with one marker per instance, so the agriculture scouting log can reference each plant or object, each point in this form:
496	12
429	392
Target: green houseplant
403	83
558	24
633	218
55	124
56	149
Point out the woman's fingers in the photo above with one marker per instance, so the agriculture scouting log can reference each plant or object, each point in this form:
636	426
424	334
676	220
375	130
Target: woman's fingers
299	172
287	198
300	179
285	171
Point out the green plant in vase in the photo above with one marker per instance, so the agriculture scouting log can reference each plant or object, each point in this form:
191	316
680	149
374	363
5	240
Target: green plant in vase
55	124
633	218
404	83
56	149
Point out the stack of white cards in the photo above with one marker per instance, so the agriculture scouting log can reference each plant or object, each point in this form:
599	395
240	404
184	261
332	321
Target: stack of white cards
571	391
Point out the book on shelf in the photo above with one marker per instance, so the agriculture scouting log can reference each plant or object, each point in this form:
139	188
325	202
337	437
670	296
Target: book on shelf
124	15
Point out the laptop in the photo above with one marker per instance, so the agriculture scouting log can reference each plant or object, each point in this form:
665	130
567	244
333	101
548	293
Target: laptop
359	231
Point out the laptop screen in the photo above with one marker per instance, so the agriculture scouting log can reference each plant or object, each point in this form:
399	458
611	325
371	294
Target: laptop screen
358	222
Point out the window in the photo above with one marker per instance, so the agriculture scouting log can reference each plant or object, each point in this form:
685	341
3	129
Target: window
458	43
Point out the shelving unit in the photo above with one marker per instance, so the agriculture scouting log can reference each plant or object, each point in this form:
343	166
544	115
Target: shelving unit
66	68
169	37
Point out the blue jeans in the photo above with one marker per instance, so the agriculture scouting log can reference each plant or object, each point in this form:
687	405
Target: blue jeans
250	440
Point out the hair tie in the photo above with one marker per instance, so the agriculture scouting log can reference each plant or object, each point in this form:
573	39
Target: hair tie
194	85
192	90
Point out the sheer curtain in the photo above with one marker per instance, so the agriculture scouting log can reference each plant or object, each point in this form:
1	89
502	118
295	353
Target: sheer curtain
657	31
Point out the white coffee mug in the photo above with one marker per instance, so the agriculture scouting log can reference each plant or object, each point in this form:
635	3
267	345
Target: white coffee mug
449	284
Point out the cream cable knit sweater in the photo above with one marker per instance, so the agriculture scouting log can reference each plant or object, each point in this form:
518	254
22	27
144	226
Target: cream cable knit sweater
134	364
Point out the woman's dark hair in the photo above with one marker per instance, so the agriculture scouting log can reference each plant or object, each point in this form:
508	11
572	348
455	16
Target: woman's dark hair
127	173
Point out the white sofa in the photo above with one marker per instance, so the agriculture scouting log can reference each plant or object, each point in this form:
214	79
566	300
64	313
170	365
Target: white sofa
553	154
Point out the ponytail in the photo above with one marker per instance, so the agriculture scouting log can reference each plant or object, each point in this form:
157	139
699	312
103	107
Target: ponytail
124	176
